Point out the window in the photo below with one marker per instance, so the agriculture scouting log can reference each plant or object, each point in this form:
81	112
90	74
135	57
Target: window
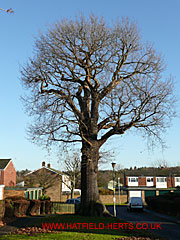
177	179
133	179
150	179
161	179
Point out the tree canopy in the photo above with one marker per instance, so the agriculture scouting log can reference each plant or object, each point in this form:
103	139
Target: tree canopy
77	64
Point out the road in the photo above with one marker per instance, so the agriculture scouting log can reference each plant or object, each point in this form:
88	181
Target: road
169	230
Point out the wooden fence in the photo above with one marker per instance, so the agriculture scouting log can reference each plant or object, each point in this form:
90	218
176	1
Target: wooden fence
59	207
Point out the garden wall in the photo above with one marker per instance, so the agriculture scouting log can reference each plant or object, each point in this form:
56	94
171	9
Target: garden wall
104	198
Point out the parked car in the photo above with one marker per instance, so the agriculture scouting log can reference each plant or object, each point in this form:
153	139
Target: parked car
72	201
135	203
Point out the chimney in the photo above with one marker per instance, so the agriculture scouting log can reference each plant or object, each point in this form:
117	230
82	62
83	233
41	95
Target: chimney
48	165
43	164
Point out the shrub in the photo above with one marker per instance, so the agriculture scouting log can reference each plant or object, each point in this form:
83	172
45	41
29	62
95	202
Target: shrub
20	207
9	208
2	209
34	207
44	197
167	203
48	206
104	191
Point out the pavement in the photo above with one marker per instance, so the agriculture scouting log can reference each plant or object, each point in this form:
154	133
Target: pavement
166	217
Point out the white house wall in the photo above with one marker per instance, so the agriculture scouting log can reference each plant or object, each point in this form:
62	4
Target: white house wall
135	194
65	182
132	184
1	192
149	184
161	184
177	181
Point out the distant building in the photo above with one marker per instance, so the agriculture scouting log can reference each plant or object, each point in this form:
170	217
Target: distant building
7	173
53	182
112	184
146	182
153	177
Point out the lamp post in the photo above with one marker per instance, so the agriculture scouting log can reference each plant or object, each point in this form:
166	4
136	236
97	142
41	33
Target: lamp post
114	197
119	189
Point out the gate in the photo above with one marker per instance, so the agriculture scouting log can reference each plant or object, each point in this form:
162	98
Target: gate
149	193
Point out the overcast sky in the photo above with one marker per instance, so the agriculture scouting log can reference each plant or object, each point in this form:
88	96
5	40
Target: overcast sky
159	22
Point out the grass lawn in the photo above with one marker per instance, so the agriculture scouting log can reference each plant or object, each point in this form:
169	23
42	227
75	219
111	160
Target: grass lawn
117	204
65	236
84	234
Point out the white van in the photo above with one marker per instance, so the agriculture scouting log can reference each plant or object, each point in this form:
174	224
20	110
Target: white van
135	203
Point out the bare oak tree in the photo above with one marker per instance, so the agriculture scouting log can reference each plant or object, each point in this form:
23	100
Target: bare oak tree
88	81
73	167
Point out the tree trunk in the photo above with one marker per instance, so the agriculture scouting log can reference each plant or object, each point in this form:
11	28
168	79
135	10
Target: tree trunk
90	203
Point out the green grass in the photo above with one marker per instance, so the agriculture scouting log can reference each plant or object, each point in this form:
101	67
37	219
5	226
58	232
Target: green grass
84	234
64	236
117	204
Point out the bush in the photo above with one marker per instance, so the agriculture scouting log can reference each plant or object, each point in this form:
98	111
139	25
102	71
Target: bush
2	209
48	206
44	197
34	207
20	207
9	208
104	191
167	203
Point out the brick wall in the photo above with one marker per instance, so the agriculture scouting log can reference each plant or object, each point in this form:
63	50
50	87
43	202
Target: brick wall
126	181
104	198
1	177
55	191
154	181
173	181
142	181
9	175
169	182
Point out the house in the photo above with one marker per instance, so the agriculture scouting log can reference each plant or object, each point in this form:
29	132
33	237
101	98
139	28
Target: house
53	182
111	184
153	177
146	182
7	173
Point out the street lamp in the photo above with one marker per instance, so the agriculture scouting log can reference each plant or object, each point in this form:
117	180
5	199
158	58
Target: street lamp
114	197
119	189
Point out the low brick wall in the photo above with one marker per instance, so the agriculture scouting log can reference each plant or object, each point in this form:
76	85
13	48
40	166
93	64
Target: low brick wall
12	193
104	198
109	198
